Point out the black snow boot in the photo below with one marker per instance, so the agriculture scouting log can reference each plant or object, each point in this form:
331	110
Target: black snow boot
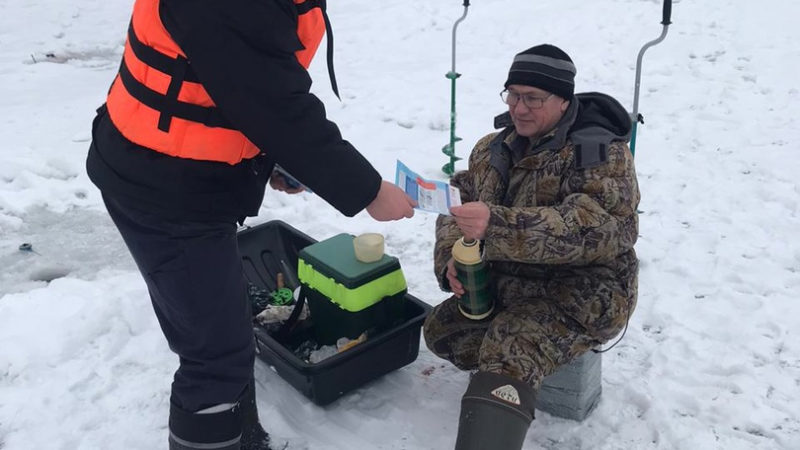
253	435
191	431
496	412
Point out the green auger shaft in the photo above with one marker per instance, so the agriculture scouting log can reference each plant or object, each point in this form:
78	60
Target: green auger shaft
450	149
636	121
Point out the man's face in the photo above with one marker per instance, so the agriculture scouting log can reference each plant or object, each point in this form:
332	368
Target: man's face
534	122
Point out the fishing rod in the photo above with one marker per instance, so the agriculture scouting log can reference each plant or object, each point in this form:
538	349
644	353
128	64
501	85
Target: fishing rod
636	117
450	148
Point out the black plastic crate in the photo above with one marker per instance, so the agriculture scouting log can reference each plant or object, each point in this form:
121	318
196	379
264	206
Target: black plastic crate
273	247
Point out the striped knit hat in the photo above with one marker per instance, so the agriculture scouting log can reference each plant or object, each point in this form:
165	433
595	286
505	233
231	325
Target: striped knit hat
545	67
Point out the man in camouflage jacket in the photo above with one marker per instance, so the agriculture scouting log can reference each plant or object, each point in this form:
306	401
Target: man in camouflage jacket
552	199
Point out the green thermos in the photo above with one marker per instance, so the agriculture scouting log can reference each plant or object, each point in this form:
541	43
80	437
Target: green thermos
472	271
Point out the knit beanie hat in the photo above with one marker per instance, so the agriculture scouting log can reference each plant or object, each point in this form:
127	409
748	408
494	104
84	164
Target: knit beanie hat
545	67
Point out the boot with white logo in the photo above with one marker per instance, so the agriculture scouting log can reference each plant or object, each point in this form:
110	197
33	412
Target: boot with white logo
496	412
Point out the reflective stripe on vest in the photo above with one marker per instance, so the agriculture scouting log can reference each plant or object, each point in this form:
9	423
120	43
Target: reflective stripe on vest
156	100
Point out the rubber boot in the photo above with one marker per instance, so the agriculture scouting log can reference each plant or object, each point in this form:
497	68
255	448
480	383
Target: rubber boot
253	435
192	431
496	411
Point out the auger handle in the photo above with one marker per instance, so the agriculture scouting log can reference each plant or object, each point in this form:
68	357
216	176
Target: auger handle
666	12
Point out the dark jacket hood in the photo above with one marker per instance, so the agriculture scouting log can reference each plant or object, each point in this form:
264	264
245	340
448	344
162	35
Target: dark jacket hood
603	115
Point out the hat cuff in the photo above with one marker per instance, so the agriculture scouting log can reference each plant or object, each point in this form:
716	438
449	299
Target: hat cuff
559	88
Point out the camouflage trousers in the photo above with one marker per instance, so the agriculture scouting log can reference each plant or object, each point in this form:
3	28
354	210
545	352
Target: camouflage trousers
536	326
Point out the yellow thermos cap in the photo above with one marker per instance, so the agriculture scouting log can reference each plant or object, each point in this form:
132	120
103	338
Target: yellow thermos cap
467	251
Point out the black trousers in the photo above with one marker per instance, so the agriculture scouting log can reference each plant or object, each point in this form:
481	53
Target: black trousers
194	275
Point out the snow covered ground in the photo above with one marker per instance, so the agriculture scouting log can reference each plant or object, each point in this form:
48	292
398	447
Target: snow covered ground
712	356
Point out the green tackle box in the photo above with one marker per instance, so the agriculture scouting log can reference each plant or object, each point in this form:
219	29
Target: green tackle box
348	297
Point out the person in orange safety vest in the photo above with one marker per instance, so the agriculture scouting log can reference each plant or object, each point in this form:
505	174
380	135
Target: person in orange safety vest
209	97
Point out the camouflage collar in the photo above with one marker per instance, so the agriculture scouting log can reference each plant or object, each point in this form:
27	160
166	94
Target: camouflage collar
555	139
508	149
520	148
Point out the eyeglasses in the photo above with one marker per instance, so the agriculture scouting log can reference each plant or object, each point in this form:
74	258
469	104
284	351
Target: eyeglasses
530	101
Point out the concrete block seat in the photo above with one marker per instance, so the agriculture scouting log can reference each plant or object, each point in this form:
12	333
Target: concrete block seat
574	389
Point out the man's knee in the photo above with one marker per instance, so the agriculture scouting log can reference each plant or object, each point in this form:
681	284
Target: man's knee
451	336
439	323
528	342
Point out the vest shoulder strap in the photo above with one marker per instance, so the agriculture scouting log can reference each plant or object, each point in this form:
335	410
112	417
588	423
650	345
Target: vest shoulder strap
154	58
179	70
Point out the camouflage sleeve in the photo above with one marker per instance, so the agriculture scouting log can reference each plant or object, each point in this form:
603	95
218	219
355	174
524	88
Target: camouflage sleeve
595	222
447	232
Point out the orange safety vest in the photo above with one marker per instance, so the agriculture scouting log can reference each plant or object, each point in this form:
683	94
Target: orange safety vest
156	100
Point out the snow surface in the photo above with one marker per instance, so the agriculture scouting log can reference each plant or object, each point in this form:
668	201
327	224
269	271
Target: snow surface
712	356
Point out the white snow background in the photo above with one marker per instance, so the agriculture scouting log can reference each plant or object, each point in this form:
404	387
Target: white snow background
711	359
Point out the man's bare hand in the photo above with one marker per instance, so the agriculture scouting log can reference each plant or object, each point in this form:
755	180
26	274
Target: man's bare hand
455	285
278	182
472	218
391	203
